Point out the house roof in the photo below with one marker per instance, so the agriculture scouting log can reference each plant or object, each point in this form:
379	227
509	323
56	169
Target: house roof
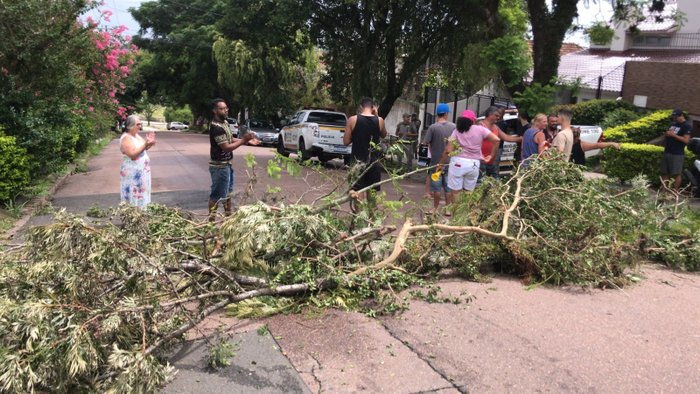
566	47
587	65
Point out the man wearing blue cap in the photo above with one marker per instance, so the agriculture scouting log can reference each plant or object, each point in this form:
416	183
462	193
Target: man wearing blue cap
677	137
436	138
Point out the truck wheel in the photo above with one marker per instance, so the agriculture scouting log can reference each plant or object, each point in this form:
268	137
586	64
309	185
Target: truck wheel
304	154
280	147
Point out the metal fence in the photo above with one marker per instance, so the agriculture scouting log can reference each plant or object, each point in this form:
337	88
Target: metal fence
459	101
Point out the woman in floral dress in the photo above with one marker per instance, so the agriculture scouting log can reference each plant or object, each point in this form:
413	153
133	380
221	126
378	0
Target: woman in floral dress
135	172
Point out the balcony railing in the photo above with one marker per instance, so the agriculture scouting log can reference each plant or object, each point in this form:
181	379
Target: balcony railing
675	41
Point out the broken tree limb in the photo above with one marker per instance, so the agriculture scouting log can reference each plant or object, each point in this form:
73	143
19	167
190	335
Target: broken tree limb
408	229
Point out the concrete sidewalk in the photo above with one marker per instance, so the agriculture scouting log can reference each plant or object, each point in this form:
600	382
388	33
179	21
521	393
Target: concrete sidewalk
258	366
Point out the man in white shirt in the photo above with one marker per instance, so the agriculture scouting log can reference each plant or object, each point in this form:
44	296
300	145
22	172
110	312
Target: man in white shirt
564	141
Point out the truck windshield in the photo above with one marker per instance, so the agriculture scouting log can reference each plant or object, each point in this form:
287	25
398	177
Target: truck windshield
327	118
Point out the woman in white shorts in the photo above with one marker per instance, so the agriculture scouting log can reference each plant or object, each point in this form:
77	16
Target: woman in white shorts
465	142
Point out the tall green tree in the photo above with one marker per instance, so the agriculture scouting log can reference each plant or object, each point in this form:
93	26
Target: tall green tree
549	26
179	36
466	66
375	47
264	81
246	51
146	106
265	56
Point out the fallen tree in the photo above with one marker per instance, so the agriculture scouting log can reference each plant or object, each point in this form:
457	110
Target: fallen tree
95	306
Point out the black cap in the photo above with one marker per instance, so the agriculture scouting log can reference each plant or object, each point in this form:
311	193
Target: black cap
677	112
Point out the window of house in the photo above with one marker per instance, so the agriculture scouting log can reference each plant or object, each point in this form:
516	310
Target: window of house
652	41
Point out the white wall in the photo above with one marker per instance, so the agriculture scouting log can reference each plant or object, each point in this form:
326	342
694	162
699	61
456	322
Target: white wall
621	42
691	8
589	94
396	114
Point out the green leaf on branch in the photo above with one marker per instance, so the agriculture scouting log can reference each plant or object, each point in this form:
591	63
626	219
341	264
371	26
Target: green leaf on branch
273	169
250	160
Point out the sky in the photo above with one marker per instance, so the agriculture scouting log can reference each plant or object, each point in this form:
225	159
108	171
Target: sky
120	14
600	10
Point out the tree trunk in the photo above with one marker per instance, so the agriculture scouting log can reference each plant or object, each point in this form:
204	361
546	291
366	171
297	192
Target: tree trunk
548	31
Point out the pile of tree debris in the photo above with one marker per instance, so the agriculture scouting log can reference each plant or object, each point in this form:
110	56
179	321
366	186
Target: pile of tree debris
90	306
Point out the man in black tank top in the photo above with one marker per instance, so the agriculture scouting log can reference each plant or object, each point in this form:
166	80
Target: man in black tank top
578	152
364	132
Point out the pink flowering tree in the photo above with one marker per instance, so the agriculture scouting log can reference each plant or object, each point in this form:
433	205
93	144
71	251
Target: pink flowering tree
61	77
115	55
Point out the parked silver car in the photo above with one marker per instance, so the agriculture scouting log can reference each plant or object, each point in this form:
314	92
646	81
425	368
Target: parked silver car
266	132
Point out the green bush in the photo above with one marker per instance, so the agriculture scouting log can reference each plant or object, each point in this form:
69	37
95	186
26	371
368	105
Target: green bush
634	159
14	167
641	130
593	112
535	98
619	117
600	33
178	114
50	147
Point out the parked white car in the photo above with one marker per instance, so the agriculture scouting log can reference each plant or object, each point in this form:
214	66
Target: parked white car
233	125
177	126
314	133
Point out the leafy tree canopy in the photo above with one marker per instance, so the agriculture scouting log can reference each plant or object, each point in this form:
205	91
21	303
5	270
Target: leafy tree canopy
374	48
247	52
179	36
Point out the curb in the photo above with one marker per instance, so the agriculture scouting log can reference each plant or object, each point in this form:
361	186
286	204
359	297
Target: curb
35	202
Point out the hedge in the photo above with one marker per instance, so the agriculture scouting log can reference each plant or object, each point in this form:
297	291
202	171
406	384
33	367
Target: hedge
634	159
14	167
619	117
593	112
641	130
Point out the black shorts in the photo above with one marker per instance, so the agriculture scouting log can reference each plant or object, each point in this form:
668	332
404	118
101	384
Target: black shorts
372	176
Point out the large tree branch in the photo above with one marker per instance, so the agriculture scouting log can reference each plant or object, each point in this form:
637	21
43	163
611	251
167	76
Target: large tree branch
408	229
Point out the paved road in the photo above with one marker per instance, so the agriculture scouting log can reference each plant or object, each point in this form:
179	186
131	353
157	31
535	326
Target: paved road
180	177
645	338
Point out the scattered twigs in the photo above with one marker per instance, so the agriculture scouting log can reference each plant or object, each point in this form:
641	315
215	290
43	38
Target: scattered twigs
286	290
367	233
345	198
204	268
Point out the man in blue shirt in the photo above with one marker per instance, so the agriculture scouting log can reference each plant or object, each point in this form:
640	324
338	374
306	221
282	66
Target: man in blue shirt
677	137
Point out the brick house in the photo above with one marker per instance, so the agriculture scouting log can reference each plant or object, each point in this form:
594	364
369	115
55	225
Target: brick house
657	66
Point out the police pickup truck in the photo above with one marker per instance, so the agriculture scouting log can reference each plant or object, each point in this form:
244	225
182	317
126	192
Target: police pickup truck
314	133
